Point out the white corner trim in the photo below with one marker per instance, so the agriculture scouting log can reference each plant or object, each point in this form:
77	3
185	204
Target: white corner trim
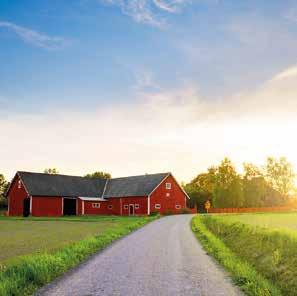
148	205
83	207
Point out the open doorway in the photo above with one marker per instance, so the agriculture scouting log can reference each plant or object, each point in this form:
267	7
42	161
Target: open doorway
131	210
26	207
69	206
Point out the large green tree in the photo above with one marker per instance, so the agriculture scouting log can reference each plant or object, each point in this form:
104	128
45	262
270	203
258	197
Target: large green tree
228	187
3	187
101	175
280	175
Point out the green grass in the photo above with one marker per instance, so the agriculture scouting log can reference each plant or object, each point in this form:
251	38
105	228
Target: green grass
242	273
270	250
51	246
286	221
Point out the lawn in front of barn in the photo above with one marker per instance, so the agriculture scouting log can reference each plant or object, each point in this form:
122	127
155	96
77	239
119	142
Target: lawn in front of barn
34	251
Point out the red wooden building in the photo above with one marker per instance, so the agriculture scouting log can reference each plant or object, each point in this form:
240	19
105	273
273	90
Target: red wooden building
39	194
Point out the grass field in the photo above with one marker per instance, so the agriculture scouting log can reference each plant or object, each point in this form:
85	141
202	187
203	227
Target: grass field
286	221
259	250
34	251
31	236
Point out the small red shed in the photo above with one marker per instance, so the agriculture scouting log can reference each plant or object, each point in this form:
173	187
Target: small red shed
39	194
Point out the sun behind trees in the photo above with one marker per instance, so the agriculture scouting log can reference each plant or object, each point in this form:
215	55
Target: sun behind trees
270	185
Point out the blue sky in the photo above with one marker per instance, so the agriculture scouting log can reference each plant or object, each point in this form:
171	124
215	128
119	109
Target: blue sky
132	78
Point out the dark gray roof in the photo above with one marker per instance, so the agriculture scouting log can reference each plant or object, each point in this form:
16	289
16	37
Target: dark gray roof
61	185
133	186
39	184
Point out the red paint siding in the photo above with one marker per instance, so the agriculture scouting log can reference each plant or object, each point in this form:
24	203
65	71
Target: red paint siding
16	198
46	206
89	210
141	201
79	207
168	203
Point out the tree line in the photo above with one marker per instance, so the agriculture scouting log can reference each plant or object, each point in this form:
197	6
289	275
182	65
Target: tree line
269	185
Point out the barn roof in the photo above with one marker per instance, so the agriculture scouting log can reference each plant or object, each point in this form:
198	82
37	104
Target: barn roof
133	186
61	185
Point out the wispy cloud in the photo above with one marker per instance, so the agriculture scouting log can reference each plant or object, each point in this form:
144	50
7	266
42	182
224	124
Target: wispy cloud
149	12
35	38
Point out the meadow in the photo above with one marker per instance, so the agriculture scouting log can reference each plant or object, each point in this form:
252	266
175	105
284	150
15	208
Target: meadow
258	250
34	251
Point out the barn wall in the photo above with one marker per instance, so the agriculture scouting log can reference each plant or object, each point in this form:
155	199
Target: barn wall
141	201
89	210
168	203
47	206
16	198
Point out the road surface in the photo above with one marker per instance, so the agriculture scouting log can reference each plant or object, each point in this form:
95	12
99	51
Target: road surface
162	258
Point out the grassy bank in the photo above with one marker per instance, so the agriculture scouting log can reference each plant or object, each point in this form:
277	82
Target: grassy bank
22	275
243	274
270	250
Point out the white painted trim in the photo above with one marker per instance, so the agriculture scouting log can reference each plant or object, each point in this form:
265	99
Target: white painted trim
180	187
177	207
62	206
136	207
96	203
92	198
83	207
157	206
31	205
148	205
104	188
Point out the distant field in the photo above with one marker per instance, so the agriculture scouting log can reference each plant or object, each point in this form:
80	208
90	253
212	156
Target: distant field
21	236
269	220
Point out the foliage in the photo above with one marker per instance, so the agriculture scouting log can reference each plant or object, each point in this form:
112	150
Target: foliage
185	211
243	274
51	171
271	252
256	187
3	188
101	175
27	273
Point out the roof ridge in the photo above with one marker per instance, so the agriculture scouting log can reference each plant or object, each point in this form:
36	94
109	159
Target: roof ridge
166	173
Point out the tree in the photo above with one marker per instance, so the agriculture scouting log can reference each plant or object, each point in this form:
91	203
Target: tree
3	187
255	187
228	187
101	175
51	171
280	175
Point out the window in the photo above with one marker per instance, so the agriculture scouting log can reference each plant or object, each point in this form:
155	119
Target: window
136	206
167	194
19	184
157	206
168	185
178	207
110	207
96	205
126	207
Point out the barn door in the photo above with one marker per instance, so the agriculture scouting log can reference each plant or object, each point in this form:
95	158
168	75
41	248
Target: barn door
26	207
69	206
131	210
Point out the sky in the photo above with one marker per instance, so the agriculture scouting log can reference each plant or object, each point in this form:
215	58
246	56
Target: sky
145	86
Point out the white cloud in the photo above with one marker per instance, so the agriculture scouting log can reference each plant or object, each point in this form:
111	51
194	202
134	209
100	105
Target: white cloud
35	38
148	11
169	130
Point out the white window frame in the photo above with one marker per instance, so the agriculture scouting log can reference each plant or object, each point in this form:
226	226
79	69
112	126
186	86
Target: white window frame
168	185
19	184
110	207
178	207
96	205
136	207
126	207
157	206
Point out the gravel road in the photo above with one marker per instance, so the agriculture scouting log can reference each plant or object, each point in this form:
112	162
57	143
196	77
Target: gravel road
162	258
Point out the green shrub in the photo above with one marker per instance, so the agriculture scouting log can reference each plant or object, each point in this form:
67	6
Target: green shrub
185	211
154	213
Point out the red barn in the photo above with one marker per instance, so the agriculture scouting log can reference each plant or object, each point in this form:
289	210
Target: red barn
39	194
